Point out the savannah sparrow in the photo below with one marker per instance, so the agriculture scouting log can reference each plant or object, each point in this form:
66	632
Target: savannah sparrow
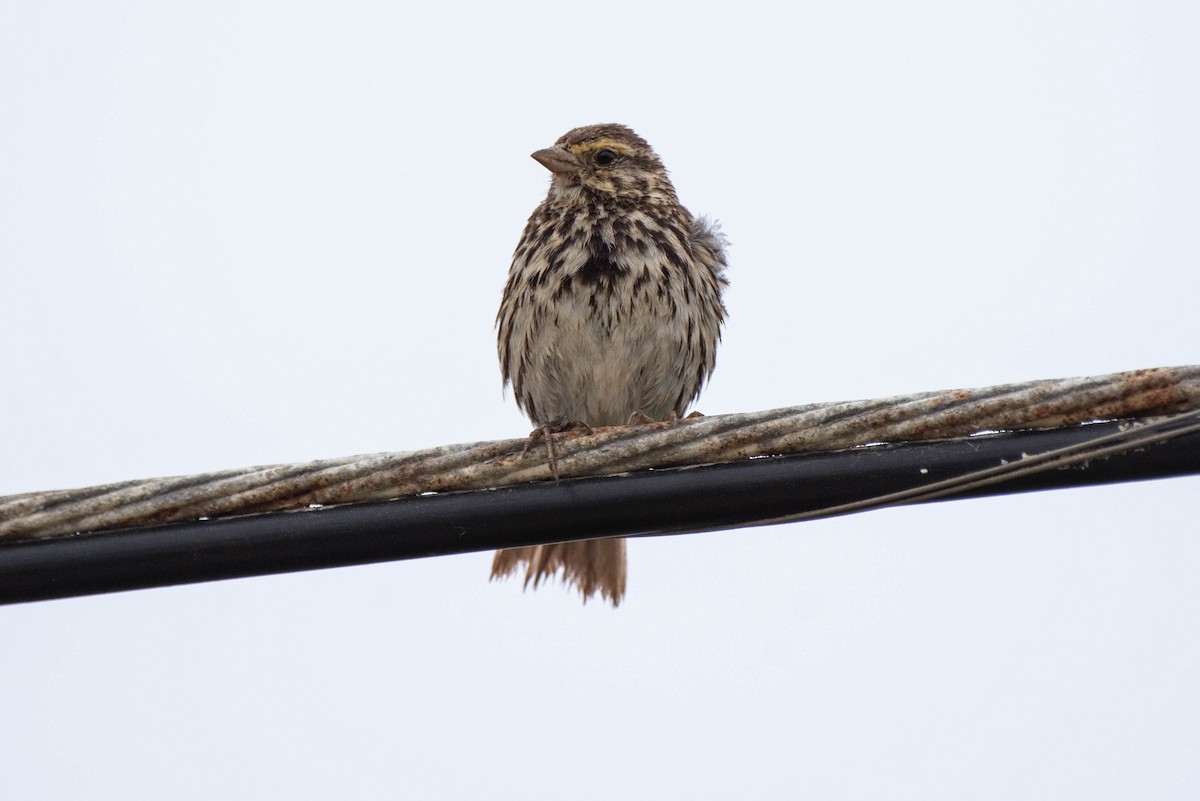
612	311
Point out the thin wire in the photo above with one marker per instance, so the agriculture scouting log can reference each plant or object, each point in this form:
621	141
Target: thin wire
1139	434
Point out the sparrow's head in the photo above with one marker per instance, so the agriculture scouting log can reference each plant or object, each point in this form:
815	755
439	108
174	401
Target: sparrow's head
606	159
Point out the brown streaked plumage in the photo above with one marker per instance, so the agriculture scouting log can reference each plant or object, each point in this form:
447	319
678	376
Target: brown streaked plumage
612	310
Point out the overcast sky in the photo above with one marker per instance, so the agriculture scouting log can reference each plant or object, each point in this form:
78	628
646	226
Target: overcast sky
239	233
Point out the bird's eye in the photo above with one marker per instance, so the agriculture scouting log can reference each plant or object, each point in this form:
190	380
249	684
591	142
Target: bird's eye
605	157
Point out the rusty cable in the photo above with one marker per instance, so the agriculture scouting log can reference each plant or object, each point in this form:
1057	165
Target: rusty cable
608	451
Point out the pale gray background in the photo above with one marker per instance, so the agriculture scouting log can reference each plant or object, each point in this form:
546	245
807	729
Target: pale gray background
244	233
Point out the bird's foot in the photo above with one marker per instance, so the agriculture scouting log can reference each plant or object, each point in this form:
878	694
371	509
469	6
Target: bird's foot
546	433
675	420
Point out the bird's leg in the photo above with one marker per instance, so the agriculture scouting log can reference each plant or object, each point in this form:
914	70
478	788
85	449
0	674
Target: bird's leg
639	418
547	433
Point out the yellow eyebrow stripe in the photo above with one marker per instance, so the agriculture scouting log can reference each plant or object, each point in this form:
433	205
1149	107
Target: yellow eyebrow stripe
619	148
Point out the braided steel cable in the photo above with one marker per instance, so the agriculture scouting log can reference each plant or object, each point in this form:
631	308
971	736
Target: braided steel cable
609	451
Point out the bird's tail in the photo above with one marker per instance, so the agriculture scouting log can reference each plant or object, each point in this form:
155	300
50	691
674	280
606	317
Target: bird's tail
591	565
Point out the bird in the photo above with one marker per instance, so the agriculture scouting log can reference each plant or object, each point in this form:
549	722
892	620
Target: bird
611	314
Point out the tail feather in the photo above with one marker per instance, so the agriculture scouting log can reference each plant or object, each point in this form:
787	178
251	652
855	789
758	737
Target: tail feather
590	565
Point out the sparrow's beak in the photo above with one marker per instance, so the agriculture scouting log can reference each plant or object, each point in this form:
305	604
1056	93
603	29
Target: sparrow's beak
557	160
